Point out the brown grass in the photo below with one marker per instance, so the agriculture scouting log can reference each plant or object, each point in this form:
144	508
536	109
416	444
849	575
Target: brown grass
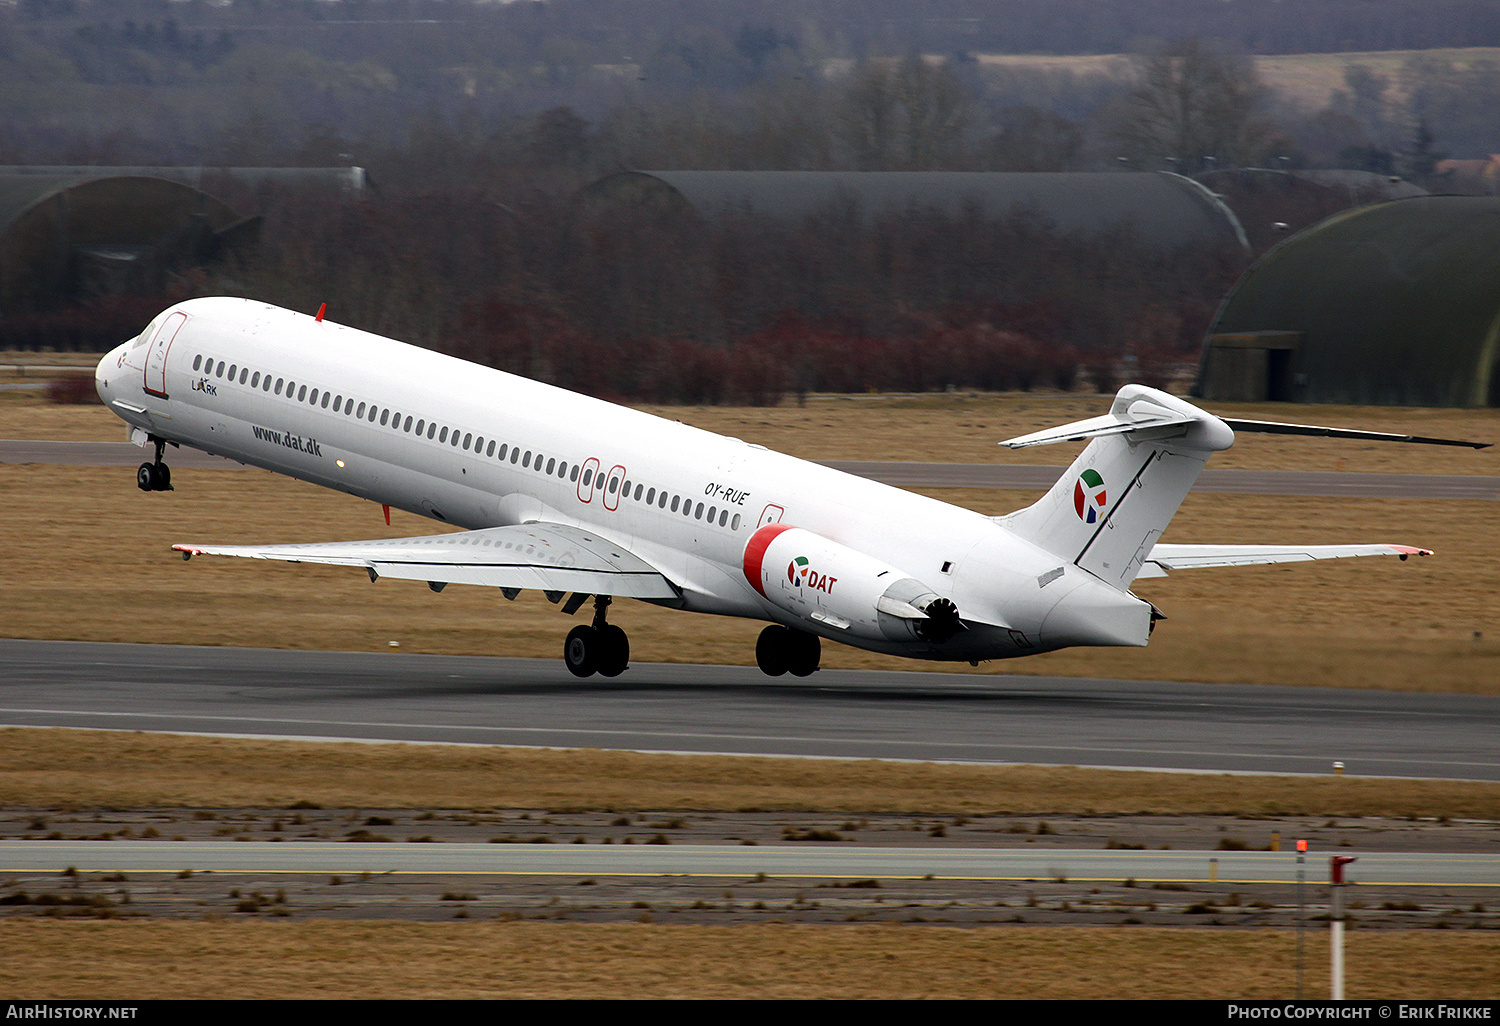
1306	79
291	959
95	563
91	769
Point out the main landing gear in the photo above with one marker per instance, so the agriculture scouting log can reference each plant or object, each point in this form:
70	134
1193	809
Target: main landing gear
781	650
599	647
155	476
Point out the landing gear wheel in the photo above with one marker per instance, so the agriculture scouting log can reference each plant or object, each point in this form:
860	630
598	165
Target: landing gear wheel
803	654
579	651
614	651
771	650
154	477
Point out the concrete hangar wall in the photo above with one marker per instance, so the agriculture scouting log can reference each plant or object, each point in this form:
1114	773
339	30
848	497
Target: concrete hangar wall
1392	304
65	237
1167	210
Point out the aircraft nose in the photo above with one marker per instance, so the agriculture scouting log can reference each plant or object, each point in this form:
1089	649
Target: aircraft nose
109	365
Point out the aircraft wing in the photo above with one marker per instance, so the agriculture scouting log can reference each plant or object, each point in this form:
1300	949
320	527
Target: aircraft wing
1191	557
545	557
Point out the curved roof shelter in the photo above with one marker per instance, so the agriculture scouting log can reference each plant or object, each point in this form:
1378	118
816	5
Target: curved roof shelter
1393	304
63	237
1167	210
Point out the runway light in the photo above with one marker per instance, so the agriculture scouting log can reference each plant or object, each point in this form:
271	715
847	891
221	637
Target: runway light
1338	769
394	645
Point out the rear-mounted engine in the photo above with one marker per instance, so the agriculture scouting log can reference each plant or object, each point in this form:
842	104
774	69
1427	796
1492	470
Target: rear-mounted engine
825	583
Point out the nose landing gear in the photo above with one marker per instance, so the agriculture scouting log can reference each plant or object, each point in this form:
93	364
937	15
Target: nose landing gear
600	647
155	476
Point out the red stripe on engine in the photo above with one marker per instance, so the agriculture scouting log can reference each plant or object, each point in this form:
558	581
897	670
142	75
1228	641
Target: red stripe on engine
755	551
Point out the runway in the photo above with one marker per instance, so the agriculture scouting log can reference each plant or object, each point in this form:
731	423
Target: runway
737	710
902	475
810	861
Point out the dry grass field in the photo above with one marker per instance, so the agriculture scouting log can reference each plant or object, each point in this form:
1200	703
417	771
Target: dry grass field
290	958
86	555
1305	79
50	769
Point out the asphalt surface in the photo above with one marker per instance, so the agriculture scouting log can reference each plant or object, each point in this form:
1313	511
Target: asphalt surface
738	710
902	475
823	861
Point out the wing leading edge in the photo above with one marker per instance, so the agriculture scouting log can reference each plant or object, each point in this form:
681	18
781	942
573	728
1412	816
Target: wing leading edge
1193	557
544	557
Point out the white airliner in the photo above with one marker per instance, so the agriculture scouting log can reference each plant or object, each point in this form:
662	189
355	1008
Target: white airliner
581	498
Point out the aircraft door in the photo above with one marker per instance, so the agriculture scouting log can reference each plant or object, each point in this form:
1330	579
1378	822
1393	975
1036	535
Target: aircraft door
772	514
613	481
588	480
156	357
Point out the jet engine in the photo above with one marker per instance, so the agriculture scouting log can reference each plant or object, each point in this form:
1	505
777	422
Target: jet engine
834	586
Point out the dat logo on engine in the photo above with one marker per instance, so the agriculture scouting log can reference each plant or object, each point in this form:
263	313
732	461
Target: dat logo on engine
801	574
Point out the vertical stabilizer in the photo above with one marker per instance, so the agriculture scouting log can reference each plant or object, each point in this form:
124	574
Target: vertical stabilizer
1110	507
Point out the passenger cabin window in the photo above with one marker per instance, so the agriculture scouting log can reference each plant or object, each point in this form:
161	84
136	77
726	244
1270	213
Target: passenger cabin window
197	361
279	382
407	426
233	369
219	373
503	449
442	435
431	428
385	415
313	398
574	475
255	380
491	450
326	397
467	439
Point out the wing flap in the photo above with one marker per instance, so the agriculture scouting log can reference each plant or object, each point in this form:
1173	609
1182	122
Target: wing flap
544	557
1192	557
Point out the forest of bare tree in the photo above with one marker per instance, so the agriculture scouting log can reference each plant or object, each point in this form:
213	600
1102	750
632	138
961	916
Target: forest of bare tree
478	122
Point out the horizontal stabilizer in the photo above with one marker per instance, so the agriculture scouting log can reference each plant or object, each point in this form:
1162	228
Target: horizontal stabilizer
1271	427
544	557
1192	557
1139	416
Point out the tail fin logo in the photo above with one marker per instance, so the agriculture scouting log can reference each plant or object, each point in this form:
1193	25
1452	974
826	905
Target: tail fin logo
1088	496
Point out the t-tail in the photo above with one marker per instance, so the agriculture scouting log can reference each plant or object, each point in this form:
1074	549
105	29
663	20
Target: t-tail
1109	508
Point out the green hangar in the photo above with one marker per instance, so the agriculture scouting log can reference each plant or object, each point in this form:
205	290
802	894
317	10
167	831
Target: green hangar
1394	304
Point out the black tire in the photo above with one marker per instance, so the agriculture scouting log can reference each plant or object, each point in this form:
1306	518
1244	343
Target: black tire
580	651
163	477
771	650
614	651
145	477
803	654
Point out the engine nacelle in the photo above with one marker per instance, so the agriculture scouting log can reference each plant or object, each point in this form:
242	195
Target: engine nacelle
834	586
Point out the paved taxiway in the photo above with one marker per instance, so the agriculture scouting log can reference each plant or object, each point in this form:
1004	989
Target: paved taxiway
904	475
731	709
847	861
